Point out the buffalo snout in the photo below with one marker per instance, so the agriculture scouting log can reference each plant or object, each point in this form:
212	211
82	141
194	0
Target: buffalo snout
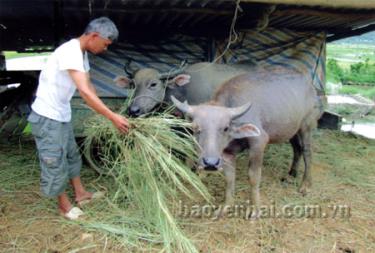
134	111
211	163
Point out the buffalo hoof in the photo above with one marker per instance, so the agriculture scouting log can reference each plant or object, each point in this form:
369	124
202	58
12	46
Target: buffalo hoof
304	189
223	212
293	172
218	214
287	180
253	215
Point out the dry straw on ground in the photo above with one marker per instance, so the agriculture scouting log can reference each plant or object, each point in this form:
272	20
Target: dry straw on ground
343	174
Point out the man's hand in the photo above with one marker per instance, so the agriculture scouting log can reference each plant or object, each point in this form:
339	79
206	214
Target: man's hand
120	122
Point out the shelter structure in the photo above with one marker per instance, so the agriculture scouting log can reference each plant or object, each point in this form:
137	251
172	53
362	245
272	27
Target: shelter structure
163	33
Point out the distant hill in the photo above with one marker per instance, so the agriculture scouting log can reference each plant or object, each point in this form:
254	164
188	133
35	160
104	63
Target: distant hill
367	38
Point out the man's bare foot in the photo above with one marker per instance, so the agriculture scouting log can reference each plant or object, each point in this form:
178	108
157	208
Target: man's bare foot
64	203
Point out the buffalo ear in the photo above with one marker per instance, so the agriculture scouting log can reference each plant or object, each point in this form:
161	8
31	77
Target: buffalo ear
123	82
243	131
180	80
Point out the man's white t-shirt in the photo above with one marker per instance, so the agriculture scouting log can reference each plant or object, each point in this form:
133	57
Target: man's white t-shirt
56	87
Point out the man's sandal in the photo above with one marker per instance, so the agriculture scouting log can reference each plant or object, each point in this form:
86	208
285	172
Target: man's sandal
73	213
95	195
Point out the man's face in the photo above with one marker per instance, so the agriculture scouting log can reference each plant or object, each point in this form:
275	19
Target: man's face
98	44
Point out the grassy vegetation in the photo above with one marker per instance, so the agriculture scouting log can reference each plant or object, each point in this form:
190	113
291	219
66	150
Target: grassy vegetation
14	54
358	73
368	92
354	67
351	52
343	174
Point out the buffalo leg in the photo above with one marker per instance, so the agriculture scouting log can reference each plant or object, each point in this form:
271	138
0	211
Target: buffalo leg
230	176
255	173
297	153
229	169
306	144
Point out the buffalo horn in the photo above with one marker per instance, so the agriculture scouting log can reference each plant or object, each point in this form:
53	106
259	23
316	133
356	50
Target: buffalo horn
183	107
129	72
238	111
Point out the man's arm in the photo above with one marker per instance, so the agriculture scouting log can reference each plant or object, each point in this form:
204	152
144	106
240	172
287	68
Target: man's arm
88	93
90	84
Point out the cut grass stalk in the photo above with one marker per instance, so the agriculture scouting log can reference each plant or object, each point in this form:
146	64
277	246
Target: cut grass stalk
149	179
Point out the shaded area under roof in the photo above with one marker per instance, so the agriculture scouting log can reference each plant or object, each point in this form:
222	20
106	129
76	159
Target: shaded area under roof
25	23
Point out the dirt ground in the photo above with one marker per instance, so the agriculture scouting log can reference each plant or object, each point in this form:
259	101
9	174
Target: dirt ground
343	196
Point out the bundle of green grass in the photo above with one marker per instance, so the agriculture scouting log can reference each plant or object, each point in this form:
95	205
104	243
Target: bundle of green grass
147	179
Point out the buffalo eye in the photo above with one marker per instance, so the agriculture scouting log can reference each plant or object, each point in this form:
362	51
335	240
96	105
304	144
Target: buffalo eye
152	85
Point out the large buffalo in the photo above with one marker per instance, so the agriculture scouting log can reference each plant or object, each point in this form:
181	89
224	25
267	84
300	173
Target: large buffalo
250	111
196	83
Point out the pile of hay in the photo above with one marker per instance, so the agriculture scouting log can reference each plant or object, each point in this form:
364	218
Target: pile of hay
148	179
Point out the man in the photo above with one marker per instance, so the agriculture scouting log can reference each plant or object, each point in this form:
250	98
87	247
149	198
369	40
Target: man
67	70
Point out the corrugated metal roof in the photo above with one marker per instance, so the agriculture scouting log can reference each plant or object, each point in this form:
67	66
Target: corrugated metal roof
147	19
218	14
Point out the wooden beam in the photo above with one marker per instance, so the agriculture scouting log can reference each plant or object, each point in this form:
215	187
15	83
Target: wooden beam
156	10
350	4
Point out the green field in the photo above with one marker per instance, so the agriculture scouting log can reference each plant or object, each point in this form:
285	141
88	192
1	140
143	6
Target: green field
353	66
347	53
14	54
